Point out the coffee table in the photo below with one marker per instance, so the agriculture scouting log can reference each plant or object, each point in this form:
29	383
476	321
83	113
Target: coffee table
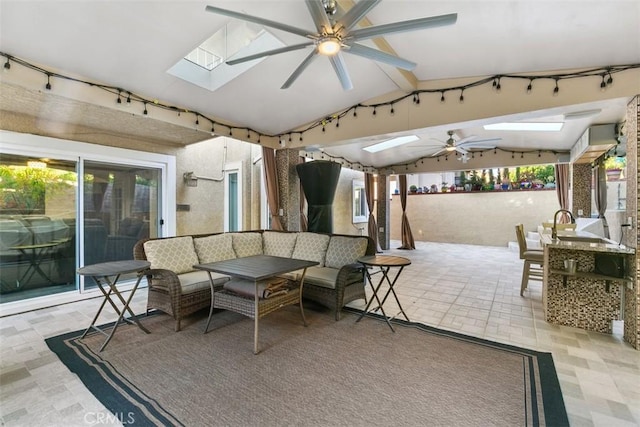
106	275
385	263
255	269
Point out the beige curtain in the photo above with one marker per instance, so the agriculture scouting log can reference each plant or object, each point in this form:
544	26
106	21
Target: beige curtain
271	181
562	189
407	236
304	224
369	187
600	190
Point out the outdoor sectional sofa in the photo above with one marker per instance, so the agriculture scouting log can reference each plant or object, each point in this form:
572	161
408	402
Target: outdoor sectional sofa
179	290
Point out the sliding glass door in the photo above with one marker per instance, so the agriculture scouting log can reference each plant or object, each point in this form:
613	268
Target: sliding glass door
120	207
37	226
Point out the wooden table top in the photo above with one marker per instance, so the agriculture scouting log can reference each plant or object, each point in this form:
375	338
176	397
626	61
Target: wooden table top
257	267
384	261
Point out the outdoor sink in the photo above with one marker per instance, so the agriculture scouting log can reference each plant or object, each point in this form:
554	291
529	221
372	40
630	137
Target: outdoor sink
586	239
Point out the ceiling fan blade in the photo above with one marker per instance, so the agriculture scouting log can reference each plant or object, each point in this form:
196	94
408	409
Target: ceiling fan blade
461	150
474	142
320	18
268	53
261	21
466	139
355	14
380	56
304	64
439	152
341	70
396	27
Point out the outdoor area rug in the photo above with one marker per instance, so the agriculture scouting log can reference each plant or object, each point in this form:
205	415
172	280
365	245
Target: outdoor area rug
327	374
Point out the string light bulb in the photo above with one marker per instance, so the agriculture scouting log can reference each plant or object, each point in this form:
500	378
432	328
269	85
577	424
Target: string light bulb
461	99
145	112
48	85
556	89
119	100
603	84
442	100
128	99
7	66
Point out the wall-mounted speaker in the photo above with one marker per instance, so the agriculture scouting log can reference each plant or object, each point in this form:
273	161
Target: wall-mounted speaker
610	265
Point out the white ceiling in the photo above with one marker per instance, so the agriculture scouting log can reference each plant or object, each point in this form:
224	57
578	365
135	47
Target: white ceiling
131	44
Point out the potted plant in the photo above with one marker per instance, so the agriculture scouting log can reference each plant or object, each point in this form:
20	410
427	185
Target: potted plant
413	189
614	167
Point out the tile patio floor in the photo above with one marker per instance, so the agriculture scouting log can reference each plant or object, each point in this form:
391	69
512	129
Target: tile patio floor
468	289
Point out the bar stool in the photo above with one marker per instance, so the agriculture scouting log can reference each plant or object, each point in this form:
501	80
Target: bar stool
533	260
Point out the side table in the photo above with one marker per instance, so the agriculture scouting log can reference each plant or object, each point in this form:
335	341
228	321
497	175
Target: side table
106	275
385	263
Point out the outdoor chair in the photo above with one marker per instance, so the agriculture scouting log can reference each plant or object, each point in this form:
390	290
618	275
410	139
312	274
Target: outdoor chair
533	260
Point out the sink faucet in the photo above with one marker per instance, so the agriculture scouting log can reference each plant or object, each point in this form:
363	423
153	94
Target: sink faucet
554	230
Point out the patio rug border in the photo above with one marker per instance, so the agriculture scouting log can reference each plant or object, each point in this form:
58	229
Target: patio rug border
125	400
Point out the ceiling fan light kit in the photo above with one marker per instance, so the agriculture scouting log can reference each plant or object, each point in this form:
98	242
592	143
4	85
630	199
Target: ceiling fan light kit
329	46
334	35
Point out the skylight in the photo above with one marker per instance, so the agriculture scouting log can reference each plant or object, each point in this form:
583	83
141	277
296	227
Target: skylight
390	143
526	126
206	66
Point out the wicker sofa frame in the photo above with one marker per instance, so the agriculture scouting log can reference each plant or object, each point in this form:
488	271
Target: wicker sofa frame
165	293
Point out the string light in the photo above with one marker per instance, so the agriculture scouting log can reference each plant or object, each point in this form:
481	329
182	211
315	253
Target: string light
605	73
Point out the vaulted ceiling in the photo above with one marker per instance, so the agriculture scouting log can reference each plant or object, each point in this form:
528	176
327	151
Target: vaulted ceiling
132	45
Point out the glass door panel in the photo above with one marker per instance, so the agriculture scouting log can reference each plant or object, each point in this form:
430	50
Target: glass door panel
37	226
120	207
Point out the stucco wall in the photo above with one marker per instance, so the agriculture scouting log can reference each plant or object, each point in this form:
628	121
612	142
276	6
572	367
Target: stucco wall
482	218
342	205
206	201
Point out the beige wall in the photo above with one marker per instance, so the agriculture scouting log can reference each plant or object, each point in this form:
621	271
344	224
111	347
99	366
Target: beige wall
206	201
483	218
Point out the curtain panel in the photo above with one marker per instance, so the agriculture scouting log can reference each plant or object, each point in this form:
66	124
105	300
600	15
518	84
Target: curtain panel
372	228
600	189
271	182
562	189
407	236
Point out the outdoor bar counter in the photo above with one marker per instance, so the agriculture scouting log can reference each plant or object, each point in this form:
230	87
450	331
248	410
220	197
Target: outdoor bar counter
592	296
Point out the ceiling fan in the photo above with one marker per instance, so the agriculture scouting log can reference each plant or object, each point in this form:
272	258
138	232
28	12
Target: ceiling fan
333	36
462	146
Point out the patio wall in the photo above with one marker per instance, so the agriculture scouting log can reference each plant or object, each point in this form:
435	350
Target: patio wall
482	218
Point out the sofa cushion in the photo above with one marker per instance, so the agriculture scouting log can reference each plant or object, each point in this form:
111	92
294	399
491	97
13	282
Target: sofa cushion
176	254
247	244
311	247
214	248
344	250
197	280
320	276
278	244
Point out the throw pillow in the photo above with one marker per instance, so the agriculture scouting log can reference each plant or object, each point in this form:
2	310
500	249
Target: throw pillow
176	254
311	247
345	250
214	248
279	244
